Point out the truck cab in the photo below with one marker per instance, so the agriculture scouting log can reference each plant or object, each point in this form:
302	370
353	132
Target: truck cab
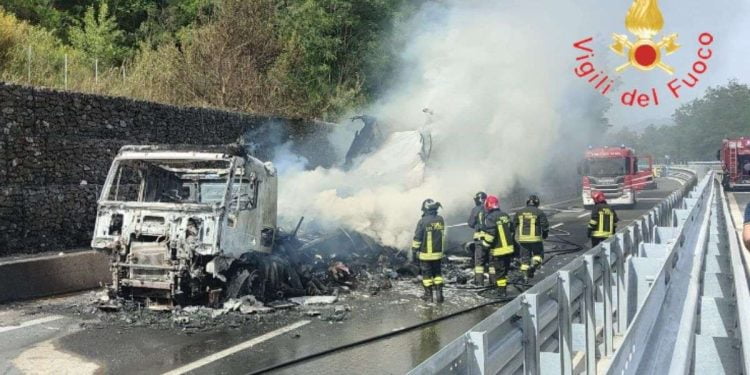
166	215
617	172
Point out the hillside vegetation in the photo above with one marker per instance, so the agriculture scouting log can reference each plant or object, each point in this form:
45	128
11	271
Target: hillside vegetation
302	58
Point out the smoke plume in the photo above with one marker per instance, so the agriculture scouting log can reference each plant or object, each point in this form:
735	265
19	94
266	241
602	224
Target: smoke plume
497	76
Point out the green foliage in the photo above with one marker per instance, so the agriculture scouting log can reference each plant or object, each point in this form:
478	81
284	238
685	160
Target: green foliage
700	125
302	58
47	54
39	12
97	35
331	46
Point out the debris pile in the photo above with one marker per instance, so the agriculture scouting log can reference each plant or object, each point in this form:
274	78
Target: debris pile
324	266
307	274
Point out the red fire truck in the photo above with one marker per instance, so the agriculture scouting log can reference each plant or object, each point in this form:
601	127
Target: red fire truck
615	172
735	159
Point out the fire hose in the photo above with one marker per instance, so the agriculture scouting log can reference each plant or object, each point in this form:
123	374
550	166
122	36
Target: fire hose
557	238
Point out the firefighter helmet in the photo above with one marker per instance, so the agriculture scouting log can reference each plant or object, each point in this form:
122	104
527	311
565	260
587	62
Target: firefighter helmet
491	203
430	205
533	200
598	196
479	198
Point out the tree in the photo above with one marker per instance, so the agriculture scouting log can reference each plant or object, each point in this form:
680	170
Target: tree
700	125
39	12
723	112
623	136
98	36
330	47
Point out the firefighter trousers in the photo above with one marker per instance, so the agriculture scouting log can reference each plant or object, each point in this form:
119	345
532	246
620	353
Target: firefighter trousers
532	252
480	258
499	268
431	272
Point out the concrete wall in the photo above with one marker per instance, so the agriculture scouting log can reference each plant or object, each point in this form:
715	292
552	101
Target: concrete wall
56	147
42	276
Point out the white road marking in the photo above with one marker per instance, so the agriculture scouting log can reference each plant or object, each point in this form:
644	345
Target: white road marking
651	199
237	348
558	225
30	323
565	201
676	179
584	214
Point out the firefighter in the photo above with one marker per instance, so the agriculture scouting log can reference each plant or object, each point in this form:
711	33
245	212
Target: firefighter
603	223
497	236
427	247
531	227
476	222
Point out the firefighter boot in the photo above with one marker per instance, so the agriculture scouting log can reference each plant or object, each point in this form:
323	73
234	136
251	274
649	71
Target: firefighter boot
427	296
439	293
479	278
502	287
493	276
503	291
536	261
528	271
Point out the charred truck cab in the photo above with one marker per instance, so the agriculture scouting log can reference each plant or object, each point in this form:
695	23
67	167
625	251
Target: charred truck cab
172	219
614	171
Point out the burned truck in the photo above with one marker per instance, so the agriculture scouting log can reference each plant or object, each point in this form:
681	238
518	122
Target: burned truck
171	218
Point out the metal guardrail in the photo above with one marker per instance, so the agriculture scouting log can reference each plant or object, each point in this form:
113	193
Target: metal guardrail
696	321
739	262
567	321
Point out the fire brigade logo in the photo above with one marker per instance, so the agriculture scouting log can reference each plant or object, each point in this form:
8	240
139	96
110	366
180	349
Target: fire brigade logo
644	20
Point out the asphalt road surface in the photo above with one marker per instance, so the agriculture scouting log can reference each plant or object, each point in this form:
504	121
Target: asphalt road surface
35	339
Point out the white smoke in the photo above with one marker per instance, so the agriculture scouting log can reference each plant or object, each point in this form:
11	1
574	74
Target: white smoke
498	86
286	162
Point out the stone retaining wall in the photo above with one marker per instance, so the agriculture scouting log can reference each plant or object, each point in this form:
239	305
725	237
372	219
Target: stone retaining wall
56	148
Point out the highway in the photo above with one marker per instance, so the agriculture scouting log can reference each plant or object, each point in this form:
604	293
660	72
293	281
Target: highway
34	333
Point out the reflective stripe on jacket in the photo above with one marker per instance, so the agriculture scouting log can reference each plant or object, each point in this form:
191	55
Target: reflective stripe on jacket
603	223
476	221
429	237
531	225
498	233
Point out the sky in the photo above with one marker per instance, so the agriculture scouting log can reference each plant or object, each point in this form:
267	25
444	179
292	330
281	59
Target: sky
727	21
509	109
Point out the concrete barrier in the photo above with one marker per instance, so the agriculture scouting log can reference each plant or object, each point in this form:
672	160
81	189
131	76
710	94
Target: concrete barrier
49	275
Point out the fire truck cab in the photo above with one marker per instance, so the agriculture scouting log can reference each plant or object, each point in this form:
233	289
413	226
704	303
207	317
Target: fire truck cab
615	171
735	160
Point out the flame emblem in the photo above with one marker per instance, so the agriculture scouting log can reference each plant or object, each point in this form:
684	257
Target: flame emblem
644	20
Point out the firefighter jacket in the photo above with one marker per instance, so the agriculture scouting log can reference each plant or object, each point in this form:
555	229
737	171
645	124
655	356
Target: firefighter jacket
476	220
603	223
531	225
429	237
498	233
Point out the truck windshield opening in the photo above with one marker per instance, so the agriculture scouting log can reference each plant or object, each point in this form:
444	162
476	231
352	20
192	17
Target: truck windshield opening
169	181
